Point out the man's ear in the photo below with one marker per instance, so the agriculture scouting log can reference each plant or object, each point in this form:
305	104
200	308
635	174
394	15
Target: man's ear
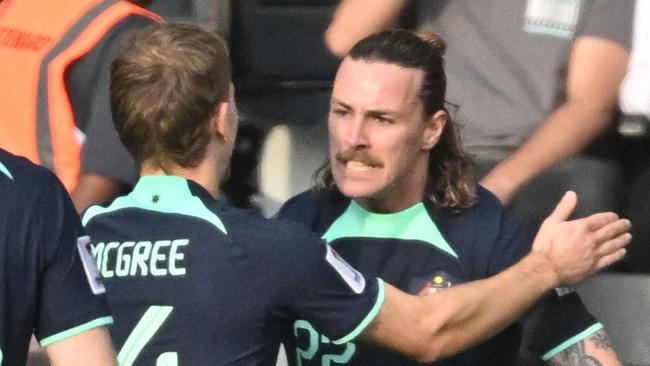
433	129
219	122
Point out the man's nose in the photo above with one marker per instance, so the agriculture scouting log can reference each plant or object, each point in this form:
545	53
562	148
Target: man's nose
357	134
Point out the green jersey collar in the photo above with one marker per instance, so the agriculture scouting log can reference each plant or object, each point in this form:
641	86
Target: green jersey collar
160	193
413	223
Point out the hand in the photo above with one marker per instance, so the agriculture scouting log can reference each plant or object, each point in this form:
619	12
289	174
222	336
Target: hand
581	247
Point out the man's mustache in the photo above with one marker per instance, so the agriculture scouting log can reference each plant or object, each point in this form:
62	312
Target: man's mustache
360	156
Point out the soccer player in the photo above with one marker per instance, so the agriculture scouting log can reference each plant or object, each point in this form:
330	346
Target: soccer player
193	281
397	201
43	287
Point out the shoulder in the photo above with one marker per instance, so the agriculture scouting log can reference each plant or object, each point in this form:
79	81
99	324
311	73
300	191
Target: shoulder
32	198
609	20
25	180
268	237
112	37
493	217
313	209
275	229
484	235
486	212
306	201
487	202
473	228
122	18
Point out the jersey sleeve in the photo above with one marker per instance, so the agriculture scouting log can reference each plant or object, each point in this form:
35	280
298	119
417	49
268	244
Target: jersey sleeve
559	322
317	285
513	241
608	19
315	210
301	208
88	84
66	303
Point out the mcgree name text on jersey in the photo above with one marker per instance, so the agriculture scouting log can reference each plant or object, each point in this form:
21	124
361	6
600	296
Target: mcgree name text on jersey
142	258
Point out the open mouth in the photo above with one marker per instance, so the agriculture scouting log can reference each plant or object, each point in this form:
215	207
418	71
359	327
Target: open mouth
357	161
357	166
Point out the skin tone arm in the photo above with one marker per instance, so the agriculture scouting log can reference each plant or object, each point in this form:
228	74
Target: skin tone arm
92	347
596	68
564	252
93	189
356	19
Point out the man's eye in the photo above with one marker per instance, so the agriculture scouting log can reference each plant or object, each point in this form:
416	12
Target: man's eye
340	112
382	120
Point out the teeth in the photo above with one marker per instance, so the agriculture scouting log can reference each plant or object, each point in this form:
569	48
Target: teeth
357	165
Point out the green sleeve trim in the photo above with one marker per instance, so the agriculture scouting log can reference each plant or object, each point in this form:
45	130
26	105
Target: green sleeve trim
5	171
381	296
573	340
107	320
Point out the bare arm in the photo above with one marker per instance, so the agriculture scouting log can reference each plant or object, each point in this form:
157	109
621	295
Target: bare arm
93	189
596	68
594	351
92	347
436	326
440	325
356	19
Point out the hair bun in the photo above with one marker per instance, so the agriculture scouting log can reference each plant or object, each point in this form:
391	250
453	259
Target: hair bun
433	40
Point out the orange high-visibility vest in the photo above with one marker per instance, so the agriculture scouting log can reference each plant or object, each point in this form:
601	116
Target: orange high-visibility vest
39	40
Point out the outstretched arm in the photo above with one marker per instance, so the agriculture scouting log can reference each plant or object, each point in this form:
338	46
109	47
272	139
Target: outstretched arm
440	325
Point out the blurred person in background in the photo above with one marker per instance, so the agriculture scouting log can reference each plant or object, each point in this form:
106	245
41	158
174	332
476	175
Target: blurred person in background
54	58
635	104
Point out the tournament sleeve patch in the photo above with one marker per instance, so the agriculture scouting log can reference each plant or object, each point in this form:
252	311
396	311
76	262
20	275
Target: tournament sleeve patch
351	276
90	267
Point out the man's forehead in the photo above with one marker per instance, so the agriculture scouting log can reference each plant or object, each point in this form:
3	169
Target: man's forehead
366	80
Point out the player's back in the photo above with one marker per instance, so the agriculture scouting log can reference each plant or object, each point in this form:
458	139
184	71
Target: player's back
43	288
172	273
193	281
17	297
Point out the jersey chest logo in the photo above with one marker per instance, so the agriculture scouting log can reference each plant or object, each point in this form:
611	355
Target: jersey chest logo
432	283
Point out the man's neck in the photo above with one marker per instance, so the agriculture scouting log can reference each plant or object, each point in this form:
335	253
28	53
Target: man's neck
386	206
207	178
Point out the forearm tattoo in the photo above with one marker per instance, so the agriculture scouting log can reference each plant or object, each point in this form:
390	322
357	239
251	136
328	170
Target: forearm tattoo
576	354
601	340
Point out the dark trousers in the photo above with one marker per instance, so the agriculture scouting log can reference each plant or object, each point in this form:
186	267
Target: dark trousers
636	207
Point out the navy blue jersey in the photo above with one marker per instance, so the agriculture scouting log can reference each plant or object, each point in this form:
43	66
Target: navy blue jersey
421	250
194	281
43	286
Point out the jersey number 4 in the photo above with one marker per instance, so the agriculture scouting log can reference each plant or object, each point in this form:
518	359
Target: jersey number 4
146	328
